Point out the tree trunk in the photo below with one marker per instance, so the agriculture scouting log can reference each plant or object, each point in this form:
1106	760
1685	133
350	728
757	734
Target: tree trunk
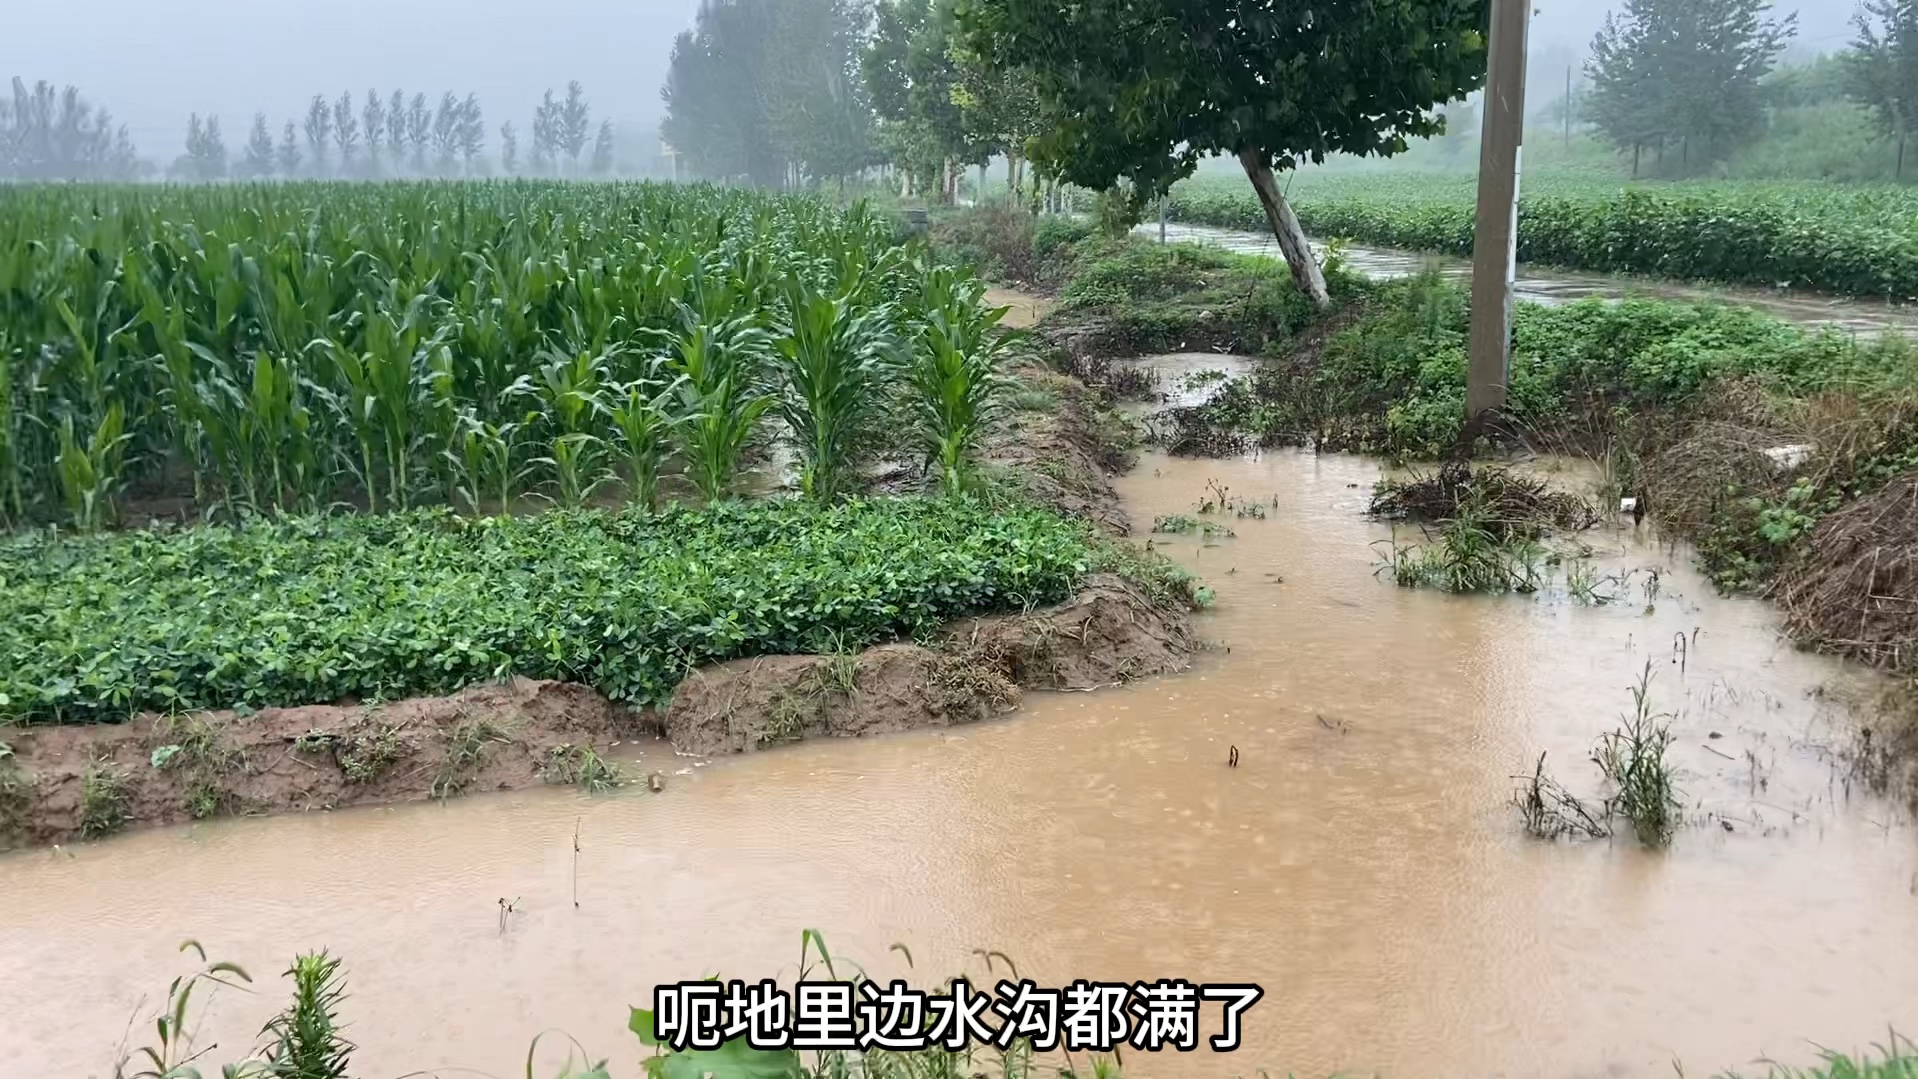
1898	171
1285	227
1635	150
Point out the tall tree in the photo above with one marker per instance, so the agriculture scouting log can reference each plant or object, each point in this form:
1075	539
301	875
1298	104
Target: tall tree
446	132
373	117
546	132
575	123
1683	71
768	90
508	149
289	153
346	132
419	129
258	161
1882	67
998	110
56	134
816	110
1141	89
205	157
396	129
912	75
319	130
603	149
471	132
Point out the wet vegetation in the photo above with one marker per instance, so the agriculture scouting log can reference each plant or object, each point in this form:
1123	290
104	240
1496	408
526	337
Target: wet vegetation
307	1039
1641	785
309	609
1785	234
390	346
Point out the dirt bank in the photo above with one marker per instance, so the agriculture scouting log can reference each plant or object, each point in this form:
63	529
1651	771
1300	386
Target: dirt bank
72	782
62	783
1110	633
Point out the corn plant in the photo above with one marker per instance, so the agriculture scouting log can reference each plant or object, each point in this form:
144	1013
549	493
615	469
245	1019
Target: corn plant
954	374
642	420
289	346
828	359
718	397
90	473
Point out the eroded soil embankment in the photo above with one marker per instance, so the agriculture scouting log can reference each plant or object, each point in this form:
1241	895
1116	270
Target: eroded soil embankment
62	783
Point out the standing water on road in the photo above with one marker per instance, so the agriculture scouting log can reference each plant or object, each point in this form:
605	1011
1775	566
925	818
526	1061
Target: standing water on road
1863	318
1362	863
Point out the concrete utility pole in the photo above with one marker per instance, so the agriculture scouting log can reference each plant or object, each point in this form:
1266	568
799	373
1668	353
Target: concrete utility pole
1495	244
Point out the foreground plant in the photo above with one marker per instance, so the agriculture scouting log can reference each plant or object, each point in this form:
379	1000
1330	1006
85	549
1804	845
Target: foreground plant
828	361
954	373
719	400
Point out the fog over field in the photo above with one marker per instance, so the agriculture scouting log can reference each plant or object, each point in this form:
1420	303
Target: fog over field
154	63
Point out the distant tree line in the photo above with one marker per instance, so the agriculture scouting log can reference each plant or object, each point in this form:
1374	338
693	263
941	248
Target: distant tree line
51	134
1696	76
789	92
394	135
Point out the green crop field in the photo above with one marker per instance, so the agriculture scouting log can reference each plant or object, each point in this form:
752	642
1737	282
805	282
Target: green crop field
293	347
248	362
1858	241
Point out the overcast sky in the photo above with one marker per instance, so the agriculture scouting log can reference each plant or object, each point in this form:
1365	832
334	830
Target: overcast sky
154	61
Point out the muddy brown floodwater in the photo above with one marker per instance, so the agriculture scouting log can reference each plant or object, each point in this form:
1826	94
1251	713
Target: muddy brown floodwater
1361	863
1863	318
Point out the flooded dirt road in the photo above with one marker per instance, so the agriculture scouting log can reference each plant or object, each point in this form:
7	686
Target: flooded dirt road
1866	318
1361	863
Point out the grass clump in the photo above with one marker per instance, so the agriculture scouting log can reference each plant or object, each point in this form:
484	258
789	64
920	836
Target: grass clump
16	796
468	745
1633	759
303	610
104	799
191	746
369	751
582	766
1509	502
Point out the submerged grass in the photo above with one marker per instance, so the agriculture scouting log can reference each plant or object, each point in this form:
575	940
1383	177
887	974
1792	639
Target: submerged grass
1632	757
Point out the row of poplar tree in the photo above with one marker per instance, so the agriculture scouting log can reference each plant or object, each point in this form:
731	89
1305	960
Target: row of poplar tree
394	135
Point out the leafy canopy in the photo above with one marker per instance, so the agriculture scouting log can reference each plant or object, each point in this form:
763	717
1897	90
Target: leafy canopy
1141	89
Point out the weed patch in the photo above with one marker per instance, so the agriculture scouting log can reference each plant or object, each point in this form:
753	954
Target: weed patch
468	745
581	766
103	800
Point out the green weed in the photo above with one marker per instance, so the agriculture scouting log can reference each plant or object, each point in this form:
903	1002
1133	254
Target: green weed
1633	759
104	800
306	1040
576	765
468	745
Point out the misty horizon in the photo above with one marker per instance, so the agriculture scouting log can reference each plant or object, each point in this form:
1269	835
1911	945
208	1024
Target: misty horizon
155	65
